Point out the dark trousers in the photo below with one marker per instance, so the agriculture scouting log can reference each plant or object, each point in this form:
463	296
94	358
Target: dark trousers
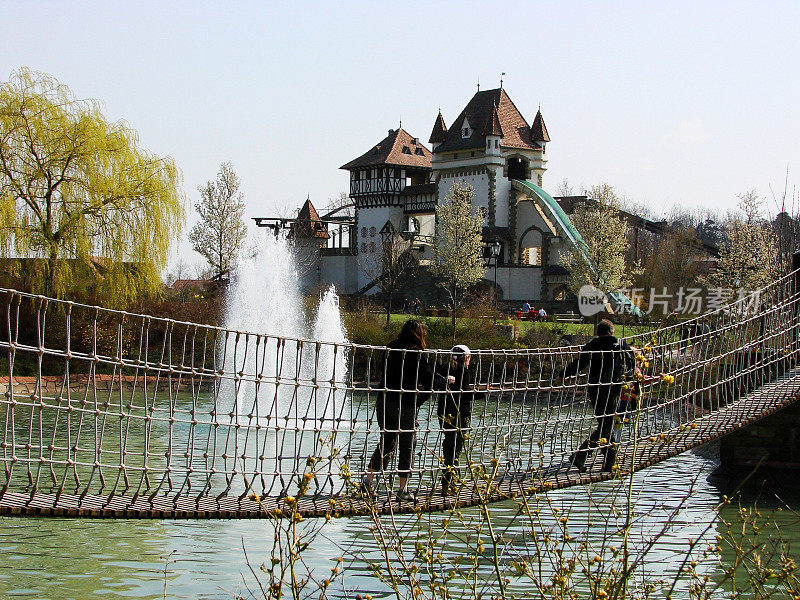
605	400
453	427
397	420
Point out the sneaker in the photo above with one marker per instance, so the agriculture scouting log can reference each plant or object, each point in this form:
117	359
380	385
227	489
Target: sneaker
366	489
406	496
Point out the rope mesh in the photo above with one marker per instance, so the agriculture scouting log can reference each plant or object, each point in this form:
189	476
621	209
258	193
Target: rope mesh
108	413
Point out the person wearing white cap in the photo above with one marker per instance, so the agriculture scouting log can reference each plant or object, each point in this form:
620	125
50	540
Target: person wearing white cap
454	411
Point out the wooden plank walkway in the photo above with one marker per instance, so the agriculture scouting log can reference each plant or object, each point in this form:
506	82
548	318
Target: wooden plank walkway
760	403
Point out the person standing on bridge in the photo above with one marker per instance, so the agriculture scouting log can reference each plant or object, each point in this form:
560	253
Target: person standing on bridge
455	411
609	362
409	378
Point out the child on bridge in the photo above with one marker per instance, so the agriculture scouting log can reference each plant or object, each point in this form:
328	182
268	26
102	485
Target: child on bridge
454	411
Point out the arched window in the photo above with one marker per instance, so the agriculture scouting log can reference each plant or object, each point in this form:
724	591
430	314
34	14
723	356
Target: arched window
531	248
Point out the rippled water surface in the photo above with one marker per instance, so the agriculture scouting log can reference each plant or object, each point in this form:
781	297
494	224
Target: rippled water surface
61	559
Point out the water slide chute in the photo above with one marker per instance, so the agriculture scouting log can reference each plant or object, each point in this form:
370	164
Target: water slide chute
557	215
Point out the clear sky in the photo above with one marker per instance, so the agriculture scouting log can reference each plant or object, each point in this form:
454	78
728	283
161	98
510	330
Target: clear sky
688	103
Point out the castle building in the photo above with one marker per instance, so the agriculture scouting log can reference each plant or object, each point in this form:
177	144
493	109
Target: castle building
396	185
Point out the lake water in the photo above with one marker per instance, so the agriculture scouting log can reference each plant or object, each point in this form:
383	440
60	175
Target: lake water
59	559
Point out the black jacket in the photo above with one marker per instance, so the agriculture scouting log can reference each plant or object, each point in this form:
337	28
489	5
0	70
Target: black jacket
408	369
459	395
607	358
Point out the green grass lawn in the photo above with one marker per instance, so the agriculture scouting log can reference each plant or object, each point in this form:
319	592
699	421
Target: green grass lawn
476	332
525	326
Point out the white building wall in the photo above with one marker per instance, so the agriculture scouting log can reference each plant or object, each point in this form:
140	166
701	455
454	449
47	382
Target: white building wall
527	217
518	283
340	271
502	188
557	247
368	239
427	225
479	182
307	261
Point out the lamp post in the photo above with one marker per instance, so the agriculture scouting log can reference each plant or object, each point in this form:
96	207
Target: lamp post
494	250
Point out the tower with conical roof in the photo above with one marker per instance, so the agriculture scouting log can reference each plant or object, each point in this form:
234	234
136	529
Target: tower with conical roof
489	145
439	133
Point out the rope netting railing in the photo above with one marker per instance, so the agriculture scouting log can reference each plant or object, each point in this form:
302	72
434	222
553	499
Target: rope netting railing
108	413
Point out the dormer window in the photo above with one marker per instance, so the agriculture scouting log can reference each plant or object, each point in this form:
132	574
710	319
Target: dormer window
419	152
406	150
466	130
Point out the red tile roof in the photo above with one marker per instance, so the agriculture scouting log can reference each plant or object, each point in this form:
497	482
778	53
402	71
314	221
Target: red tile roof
480	112
308	224
398	148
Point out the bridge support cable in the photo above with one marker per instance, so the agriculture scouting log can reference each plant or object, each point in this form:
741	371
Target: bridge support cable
109	413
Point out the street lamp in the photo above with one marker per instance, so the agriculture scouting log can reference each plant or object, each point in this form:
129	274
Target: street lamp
494	250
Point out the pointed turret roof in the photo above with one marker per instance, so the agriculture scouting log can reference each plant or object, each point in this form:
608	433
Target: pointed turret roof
493	125
480	112
308	223
539	129
399	148
439	133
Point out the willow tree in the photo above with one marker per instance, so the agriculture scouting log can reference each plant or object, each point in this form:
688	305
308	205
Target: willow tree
457	247
79	196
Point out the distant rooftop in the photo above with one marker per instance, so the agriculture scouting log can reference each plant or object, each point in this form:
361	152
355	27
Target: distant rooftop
399	148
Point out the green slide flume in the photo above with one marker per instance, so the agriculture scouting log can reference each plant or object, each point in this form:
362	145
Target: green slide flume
564	224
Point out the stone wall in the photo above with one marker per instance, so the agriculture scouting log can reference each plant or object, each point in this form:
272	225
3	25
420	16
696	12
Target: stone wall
775	441
775	438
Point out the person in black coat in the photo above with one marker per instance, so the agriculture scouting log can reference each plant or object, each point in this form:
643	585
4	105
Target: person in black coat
609	362
454	410
409	379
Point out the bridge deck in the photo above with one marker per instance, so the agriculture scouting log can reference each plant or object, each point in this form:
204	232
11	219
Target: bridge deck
760	403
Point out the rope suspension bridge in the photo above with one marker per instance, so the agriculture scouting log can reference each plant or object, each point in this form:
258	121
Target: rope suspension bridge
111	414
